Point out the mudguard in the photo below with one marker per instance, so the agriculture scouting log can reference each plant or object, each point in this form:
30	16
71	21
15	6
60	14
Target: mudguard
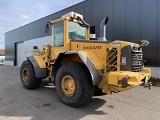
39	66
92	62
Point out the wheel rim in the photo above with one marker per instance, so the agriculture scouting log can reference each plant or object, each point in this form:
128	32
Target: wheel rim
25	75
68	86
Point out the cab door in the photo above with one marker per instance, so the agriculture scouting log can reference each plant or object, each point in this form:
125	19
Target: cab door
57	39
58	34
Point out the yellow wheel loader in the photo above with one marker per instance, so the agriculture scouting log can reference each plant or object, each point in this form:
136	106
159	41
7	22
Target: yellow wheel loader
80	67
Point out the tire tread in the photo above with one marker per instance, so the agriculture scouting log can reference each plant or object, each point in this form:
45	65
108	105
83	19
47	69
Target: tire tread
33	82
86	84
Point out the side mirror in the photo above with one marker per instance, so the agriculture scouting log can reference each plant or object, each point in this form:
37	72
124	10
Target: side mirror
47	28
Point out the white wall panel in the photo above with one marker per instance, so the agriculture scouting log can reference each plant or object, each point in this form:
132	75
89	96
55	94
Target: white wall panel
28	45
25	49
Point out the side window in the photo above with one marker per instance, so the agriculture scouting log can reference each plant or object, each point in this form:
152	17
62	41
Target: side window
59	34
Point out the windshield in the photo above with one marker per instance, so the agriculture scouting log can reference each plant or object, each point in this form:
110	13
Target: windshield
76	32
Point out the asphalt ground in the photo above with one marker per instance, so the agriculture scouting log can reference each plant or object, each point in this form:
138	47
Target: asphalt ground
17	103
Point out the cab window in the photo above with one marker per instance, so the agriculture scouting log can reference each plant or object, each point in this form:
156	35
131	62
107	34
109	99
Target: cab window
58	33
76	32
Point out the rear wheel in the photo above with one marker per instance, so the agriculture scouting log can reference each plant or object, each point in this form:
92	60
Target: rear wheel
27	75
74	84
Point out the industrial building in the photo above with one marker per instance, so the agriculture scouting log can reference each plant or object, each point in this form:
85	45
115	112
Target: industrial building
129	20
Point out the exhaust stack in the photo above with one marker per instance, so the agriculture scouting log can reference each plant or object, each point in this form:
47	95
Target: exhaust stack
103	29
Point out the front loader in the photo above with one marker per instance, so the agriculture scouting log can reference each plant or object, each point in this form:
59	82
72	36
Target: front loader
80	67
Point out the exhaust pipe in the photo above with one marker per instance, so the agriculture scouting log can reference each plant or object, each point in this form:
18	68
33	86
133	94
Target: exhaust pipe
103	29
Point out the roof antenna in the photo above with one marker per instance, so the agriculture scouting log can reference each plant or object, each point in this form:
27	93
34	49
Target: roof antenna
71	2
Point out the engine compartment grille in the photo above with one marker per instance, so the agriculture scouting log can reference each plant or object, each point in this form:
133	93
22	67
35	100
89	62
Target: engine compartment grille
137	61
111	60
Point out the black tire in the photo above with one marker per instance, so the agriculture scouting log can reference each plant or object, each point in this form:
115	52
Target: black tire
84	89
27	75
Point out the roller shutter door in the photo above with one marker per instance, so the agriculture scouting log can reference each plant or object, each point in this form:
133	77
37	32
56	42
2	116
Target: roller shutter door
20	57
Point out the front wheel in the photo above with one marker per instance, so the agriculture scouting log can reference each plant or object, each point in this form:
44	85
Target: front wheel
74	84
27	75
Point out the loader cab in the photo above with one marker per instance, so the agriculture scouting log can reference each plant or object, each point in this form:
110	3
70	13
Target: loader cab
68	28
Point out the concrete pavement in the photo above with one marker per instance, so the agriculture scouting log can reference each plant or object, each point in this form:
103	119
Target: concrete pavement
17	103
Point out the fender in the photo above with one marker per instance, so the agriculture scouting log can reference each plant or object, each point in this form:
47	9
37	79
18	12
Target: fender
94	65
39	66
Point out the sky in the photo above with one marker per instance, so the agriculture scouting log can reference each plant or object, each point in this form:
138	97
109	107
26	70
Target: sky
16	13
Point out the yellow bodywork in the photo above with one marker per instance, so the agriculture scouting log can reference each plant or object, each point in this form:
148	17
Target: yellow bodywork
40	61
113	81
100	54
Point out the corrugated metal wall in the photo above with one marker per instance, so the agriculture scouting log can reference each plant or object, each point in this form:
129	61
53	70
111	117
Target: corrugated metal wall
130	20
